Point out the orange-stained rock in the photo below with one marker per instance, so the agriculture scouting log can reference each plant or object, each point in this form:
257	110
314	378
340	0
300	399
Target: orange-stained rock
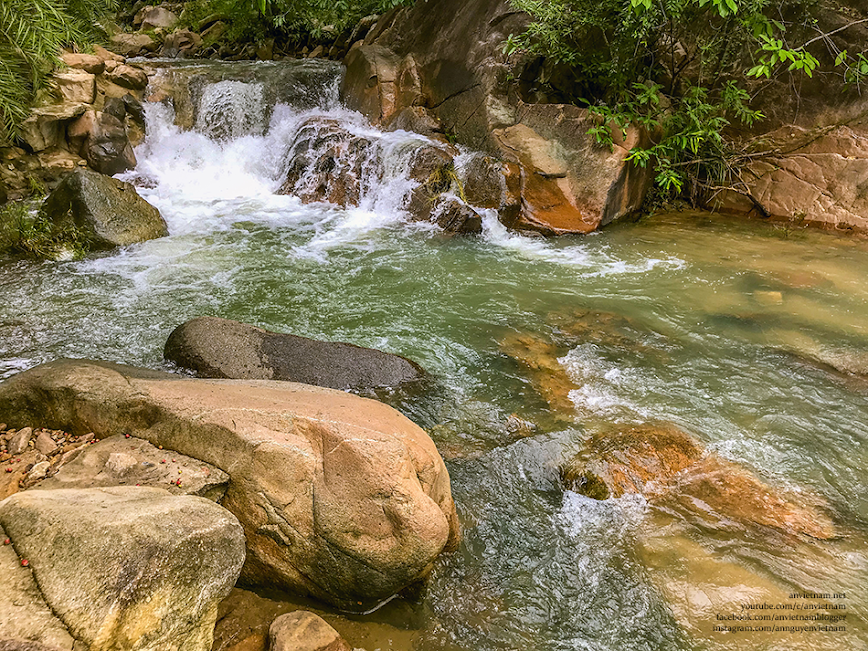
669	467
639	459
540	358
718	489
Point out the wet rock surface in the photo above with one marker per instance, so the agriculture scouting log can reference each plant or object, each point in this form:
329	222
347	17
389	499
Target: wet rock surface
302	630
220	348
669	467
340	497
157	568
107	211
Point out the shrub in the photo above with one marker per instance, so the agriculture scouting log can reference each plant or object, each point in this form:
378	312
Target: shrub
682	69
293	20
32	33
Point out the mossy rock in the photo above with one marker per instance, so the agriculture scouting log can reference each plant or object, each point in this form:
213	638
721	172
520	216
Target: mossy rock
105	212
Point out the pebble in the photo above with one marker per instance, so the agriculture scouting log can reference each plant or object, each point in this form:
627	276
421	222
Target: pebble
45	444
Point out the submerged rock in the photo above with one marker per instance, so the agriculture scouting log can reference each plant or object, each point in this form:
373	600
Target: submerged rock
669	467
639	459
127	567
340	497
302	630
540	359
106	211
220	348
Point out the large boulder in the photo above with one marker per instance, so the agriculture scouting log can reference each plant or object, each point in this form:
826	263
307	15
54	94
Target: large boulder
220	348
569	183
812	177
447	55
25	615
128	568
340	497
107	211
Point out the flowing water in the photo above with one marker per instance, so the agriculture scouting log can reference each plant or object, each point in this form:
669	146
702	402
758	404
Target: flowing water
750	336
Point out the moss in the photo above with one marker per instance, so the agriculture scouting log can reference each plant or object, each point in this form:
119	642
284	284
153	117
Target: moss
584	482
444	179
23	231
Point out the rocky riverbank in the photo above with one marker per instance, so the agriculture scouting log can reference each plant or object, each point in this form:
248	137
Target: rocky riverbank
321	493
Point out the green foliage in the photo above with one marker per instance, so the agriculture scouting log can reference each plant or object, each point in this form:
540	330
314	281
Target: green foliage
681	69
32	33
251	20
23	231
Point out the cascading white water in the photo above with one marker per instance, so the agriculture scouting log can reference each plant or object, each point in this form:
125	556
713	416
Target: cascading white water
231	109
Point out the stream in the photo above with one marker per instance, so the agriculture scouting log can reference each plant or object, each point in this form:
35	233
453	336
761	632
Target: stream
748	335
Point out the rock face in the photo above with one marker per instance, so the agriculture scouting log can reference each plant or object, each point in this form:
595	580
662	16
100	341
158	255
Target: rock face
26	616
155	17
819	177
72	127
447	55
670	468
340	497
220	348
118	460
304	631
149	576
109	212
329	163
130	45
100	137
326	164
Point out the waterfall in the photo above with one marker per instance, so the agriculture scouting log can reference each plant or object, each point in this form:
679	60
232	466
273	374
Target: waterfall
231	109
231	130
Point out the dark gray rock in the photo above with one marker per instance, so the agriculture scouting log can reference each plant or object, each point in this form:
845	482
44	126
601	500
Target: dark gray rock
107	211
455	216
220	348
